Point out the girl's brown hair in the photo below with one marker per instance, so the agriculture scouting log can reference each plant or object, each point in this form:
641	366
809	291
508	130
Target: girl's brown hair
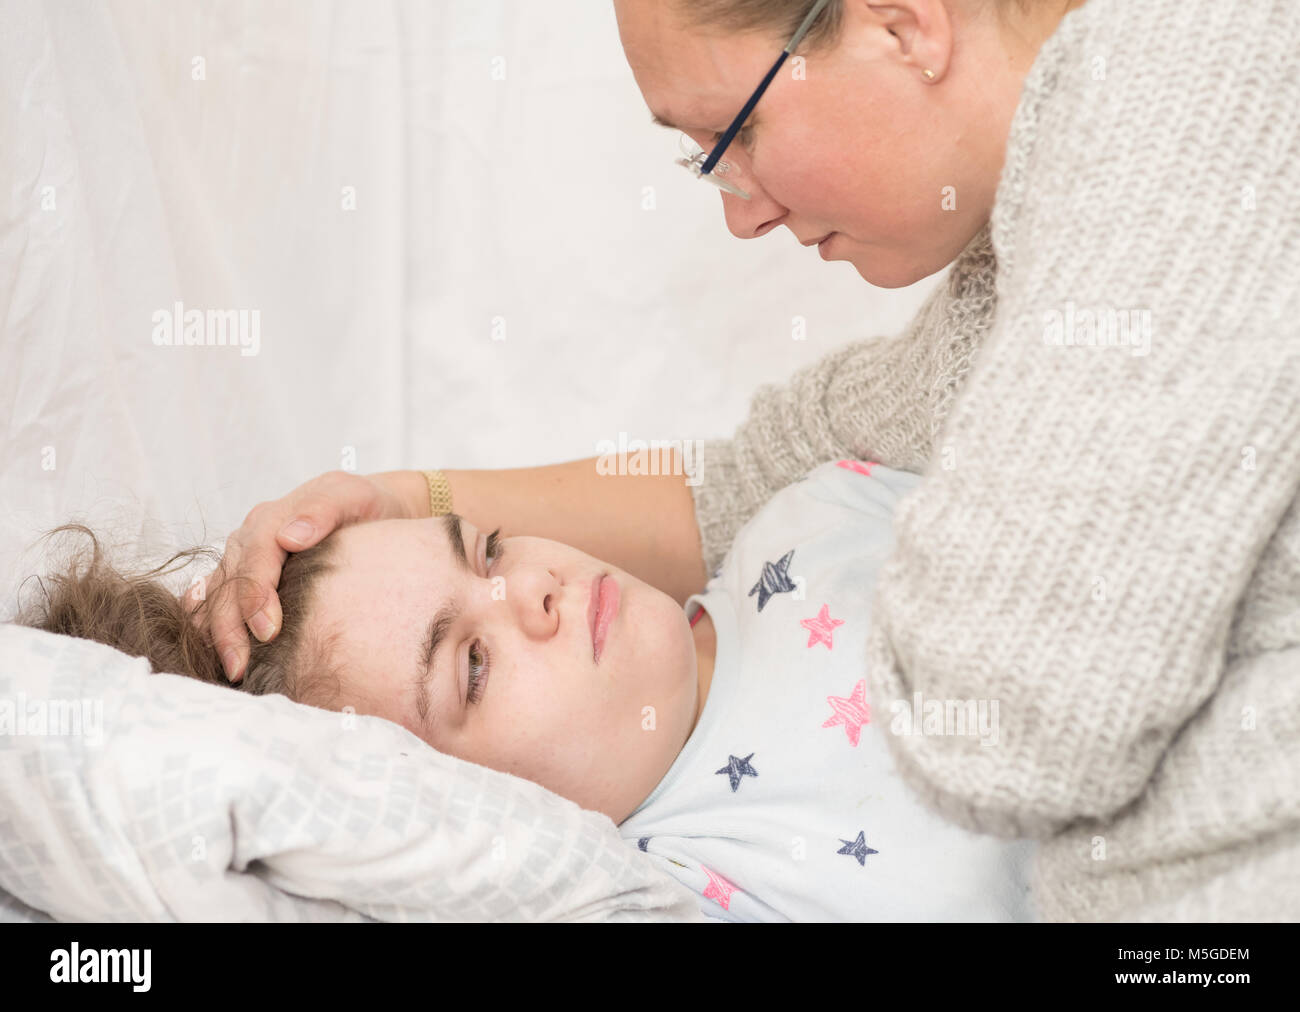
135	611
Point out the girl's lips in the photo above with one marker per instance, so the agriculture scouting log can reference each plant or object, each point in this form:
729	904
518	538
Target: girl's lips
601	611
593	605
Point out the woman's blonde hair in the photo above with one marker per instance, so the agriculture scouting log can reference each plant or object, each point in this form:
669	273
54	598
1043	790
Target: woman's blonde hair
136	612
780	17
783	17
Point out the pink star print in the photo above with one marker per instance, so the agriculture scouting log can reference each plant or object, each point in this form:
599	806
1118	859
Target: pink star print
821	628
719	889
852	712
863	467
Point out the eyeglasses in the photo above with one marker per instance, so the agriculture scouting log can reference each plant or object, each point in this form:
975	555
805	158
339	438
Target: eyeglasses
711	167
696	156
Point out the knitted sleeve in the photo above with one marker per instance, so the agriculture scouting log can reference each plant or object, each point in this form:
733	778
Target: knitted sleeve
1129	436
881	399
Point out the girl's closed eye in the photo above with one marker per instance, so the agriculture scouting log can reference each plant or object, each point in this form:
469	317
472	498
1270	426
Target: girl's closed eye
494	547
478	670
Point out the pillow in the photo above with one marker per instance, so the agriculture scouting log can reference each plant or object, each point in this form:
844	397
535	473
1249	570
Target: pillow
132	796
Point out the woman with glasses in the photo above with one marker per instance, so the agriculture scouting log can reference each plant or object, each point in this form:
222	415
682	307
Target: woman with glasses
1103	399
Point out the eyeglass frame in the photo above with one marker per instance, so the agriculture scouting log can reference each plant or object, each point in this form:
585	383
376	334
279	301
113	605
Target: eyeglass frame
730	134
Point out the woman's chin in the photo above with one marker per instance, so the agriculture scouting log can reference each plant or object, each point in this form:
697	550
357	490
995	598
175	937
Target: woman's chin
882	276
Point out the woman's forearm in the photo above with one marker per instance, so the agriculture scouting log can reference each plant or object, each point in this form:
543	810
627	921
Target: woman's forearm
644	524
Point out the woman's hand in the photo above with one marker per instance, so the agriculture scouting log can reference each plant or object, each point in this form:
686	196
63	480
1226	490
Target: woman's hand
255	553
643	524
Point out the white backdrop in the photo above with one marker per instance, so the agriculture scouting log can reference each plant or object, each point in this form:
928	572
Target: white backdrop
394	187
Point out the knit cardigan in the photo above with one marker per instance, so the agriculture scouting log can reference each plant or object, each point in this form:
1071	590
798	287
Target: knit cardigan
1107	539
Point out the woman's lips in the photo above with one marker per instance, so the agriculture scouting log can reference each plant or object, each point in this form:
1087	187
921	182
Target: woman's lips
602	609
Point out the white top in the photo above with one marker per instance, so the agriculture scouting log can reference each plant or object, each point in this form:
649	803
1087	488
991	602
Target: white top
784	804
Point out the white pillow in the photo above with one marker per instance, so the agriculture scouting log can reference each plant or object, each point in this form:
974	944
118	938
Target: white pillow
158	797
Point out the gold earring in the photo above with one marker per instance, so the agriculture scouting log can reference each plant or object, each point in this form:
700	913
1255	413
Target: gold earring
928	74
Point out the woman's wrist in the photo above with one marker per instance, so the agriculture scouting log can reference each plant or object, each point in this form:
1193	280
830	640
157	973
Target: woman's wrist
411	489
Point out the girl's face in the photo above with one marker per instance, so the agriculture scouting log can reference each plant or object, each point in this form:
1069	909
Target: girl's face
854	141
513	682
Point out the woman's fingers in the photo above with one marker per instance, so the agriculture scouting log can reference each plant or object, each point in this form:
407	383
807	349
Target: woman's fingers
208	606
243	588
225	620
257	576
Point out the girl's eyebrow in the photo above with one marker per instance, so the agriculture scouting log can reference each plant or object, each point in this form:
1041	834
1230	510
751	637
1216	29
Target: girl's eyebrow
443	621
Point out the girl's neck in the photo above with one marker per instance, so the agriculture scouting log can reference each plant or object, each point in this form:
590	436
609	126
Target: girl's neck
706	648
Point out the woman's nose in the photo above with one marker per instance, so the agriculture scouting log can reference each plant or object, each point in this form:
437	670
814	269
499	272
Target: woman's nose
749	219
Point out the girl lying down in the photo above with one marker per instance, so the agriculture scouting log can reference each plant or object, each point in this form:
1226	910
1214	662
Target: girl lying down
731	742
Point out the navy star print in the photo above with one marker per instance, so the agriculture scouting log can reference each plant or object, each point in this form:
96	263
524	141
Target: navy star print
775	580
857	848
737	768
643	842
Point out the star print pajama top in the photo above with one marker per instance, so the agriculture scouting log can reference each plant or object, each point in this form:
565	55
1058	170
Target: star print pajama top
784	803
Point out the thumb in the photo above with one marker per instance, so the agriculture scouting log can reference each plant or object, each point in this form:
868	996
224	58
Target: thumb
327	503
300	533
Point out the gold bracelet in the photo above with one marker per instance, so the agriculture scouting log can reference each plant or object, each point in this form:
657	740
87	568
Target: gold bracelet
439	493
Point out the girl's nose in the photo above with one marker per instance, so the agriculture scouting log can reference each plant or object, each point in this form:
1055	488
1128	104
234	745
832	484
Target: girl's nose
541	601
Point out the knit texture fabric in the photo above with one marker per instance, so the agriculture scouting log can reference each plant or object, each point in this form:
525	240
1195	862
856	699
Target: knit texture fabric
1104	398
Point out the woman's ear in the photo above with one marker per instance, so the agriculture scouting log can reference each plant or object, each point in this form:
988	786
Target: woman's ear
916	33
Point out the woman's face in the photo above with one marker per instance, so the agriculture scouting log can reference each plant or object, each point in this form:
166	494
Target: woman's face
903	171
513	683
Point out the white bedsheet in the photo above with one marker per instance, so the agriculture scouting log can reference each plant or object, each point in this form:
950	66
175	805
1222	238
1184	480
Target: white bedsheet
505	175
